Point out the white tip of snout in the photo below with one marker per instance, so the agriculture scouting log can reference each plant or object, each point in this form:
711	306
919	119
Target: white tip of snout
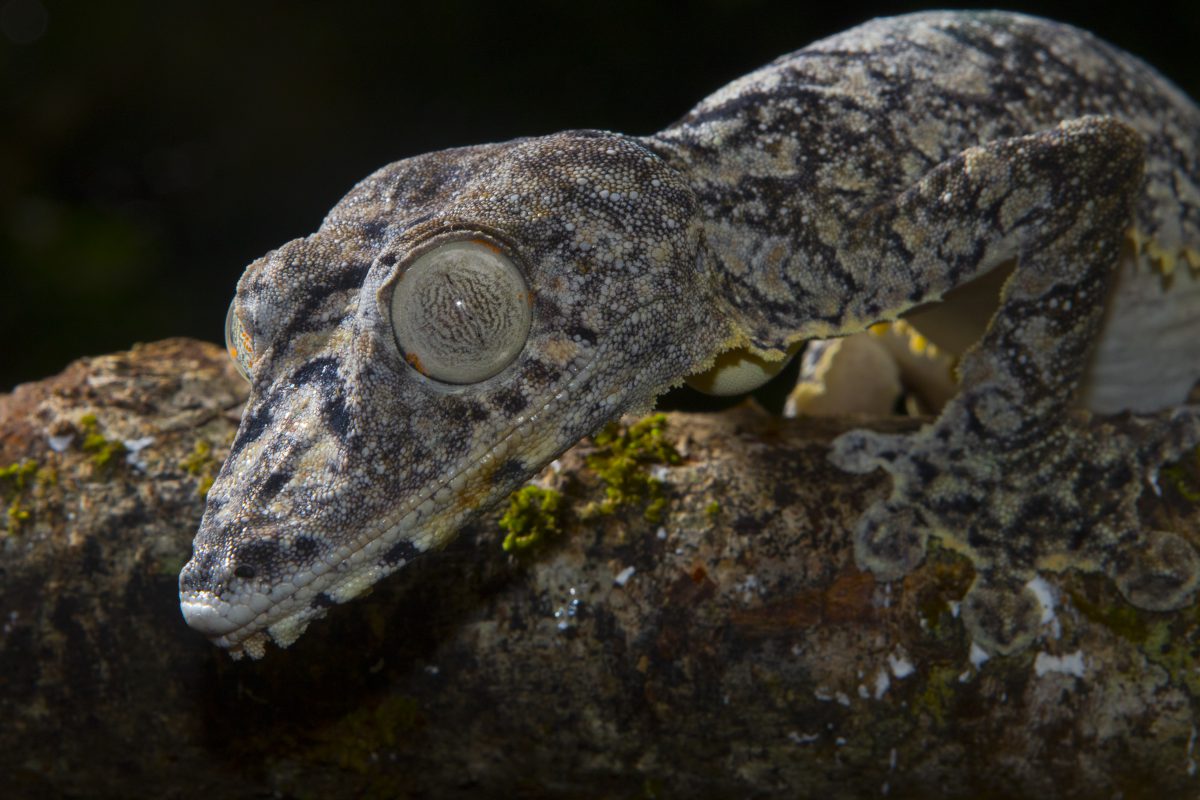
209	616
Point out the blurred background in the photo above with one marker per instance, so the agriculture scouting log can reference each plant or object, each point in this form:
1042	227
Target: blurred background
149	150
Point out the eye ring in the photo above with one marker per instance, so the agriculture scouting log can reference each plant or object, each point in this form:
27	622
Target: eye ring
237	342
460	311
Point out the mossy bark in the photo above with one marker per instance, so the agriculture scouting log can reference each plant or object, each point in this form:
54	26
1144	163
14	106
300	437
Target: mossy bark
744	655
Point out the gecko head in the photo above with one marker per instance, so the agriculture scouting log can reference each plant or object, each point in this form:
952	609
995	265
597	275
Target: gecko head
459	319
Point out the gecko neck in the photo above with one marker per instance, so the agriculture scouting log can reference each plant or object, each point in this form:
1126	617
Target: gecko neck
768	263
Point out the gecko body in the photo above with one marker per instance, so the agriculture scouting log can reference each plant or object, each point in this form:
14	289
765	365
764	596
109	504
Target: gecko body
464	316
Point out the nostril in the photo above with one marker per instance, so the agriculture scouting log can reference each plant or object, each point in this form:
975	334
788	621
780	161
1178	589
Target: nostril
196	574
244	571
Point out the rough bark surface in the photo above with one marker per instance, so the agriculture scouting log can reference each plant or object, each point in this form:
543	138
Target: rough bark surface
744	656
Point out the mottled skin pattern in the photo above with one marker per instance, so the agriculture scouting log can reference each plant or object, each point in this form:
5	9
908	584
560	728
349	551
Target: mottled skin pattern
839	186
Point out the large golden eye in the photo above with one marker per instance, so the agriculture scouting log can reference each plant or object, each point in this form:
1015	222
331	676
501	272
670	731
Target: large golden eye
237	342
460	312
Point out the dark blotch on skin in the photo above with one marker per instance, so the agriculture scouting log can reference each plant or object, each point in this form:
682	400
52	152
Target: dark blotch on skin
511	401
305	548
323	370
337	415
255	557
511	470
253	426
584	334
375	229
401	552
271	486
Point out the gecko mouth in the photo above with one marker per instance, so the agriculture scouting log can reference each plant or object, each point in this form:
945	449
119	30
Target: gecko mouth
248	620
207	613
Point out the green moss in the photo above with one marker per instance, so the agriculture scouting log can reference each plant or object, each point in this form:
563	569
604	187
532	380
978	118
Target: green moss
15	514
533	516
105	452
198	459
938	692
1119	617
652	789
202	464
46	476
712	510
19	472
170	565
621	459
1184	477
357	738
1173	644
14	480
1177	654
948	576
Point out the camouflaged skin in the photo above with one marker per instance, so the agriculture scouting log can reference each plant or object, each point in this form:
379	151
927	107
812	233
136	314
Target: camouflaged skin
837	187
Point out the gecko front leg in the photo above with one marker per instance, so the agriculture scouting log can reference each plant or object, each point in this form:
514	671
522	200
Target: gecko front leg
1011	473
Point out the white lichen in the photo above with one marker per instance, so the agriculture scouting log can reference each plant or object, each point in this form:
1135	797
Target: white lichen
1070	664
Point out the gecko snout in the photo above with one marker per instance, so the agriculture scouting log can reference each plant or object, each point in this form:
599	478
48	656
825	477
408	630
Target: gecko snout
202	608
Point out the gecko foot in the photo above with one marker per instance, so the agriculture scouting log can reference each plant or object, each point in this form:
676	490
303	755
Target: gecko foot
1065	500
890	537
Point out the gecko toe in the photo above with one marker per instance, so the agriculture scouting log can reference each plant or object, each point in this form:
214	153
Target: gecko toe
1160	574
1001	618
861	451
889	541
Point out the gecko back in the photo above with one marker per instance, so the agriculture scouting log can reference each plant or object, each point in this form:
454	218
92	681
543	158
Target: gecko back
786	160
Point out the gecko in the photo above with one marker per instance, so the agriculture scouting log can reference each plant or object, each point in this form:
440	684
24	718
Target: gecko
463	317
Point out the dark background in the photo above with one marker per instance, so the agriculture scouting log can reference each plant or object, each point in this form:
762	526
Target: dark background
150	149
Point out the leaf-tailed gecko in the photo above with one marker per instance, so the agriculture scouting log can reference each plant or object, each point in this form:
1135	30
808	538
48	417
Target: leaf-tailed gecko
462	317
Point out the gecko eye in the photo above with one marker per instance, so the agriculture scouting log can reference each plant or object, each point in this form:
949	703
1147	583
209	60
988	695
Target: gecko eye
460	312
237	342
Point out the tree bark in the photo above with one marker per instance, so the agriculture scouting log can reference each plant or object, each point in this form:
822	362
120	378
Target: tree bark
743	656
